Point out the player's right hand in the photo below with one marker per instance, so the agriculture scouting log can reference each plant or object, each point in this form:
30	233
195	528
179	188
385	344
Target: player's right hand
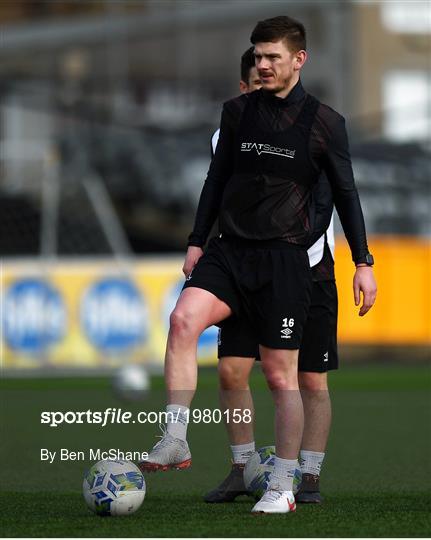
194	253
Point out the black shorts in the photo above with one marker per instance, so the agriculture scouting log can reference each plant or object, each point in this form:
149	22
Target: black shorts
269	284
318	351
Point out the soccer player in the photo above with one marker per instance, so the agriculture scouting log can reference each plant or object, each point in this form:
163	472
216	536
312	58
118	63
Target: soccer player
274	143
318	354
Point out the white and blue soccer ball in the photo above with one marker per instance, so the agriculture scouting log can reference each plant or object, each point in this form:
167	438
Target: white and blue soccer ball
258	469
114	488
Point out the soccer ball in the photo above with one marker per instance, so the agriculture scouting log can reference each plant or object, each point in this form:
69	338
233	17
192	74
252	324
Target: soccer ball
113	488
131	383
258	469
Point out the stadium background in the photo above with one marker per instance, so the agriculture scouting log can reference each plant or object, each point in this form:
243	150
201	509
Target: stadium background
107	109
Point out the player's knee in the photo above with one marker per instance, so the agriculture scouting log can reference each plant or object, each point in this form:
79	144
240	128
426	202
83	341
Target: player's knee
313	382
281	372
182	324
232	377
280	379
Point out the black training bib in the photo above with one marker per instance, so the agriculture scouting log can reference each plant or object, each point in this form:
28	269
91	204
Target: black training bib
268	196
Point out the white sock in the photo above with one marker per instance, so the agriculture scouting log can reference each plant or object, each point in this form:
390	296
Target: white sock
177	421
311	462
282	476
241	452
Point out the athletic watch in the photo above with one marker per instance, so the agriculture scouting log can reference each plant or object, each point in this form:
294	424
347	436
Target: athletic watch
368	260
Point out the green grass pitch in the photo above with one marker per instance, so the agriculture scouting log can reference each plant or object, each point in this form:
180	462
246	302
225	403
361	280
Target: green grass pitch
375	479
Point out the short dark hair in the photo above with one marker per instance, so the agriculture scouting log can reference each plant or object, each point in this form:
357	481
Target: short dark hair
247	62
278	28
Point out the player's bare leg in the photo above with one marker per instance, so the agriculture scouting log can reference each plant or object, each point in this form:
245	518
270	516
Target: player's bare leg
317	423
195	311
281	371
235	394
317	410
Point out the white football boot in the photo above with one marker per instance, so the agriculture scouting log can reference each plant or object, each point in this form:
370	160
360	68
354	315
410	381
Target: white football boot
168	453
275	502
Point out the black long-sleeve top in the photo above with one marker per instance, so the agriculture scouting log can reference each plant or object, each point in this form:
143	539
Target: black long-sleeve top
329	152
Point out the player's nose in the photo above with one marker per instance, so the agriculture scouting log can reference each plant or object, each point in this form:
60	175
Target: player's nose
261	63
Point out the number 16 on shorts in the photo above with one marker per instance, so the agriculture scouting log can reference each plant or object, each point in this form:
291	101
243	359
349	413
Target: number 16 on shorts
286	329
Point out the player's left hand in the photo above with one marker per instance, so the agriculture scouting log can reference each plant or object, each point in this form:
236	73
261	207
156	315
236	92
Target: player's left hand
363	281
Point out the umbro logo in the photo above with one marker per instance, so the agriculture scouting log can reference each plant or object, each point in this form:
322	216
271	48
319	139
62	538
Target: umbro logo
285	332
326	356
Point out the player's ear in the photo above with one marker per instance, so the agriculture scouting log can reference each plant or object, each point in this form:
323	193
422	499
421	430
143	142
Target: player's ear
243	87
300	59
